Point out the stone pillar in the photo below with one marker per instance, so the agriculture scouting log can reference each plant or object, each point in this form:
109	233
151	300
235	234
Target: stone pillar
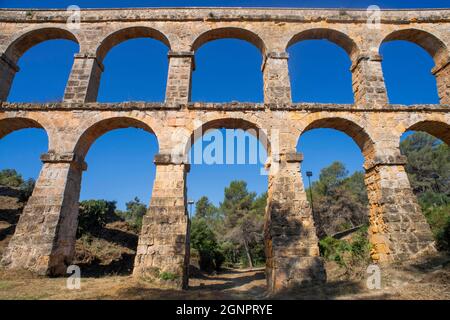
84	79
398	230
163	249
181	65
368	82
8	70
292	251
277	85
44	240
442	74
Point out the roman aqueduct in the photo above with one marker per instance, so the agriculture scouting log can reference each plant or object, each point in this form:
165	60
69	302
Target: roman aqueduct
45	235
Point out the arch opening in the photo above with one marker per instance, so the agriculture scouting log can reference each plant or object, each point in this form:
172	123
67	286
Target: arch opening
228	124
337	37
430	43
44	59
103	126
28	40
22	141
125	34
406	69
426	147
229	193
336	188
135	69
320	72
227	70
229	33
356	132
440	130
118	183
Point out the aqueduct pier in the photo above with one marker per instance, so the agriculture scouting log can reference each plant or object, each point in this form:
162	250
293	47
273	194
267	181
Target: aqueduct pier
45	235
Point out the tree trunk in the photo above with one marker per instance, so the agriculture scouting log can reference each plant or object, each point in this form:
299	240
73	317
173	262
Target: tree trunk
249	256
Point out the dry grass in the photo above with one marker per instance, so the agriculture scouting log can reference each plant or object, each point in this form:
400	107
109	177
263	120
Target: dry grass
420	281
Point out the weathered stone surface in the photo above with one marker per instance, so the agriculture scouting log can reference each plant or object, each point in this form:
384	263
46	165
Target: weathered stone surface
164	242
44	239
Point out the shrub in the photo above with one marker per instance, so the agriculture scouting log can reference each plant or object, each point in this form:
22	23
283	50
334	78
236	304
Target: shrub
439	220
10	178
136	210
93	215
347	252
167	276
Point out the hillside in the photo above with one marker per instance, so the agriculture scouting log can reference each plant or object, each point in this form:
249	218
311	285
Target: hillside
11	207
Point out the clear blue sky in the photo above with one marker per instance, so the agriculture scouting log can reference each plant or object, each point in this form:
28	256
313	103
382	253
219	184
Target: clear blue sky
120	162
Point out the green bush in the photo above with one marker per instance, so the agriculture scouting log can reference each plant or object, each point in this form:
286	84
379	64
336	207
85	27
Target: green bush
134	214
438	218
93	215
167	276
10	178
346	252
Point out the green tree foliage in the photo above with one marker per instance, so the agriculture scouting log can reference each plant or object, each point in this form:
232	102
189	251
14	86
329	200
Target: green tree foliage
347	253
134	214
210	213
93	215
11	178
243	220
203	239
428	164
340	201
428	170
233	233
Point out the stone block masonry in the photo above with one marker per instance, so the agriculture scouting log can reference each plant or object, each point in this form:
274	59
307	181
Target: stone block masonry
45	235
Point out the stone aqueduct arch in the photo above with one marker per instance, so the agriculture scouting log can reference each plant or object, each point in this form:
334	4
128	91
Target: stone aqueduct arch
44	238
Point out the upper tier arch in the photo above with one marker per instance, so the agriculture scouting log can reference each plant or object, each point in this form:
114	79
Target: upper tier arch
118	36
429	42
229	33
339	38
26	40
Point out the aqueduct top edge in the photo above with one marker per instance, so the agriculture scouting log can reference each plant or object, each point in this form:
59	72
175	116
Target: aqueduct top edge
228	13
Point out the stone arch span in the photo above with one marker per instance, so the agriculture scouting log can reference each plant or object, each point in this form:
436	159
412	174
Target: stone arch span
9	125
436	48
228	123
19	45
337	37
343	41
122	35
438	129
229	33
428	41
23	42
367	146
99	128
357	132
